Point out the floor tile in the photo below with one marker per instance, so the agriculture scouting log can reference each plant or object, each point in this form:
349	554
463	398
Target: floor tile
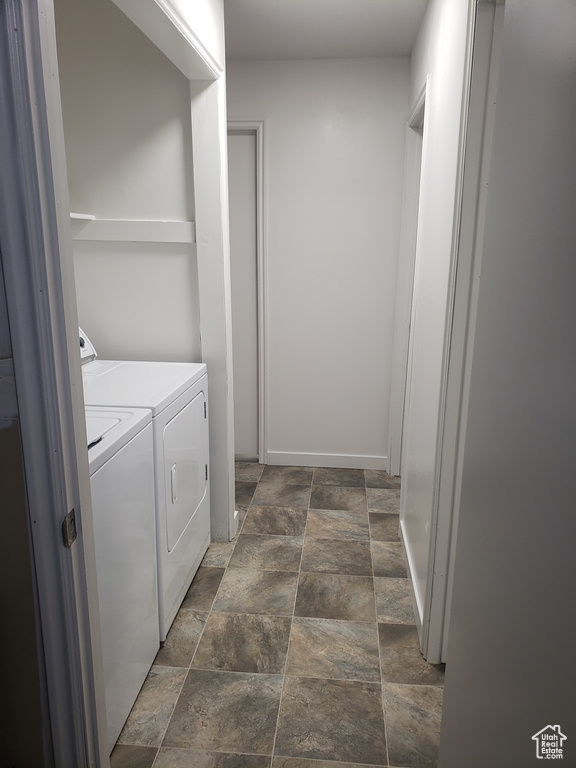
335	556
338	524
296	762
388	559
277	521
401	659
226	712
275	553
315	631
282	495
383	500
182	639
203	589
292	475
248	471
333	497
244	492
153	707
244	643
384	526
130	756
343	650
199	758
218	554
244	590
413	716
394	600
378	478
331	719
336	476
332	596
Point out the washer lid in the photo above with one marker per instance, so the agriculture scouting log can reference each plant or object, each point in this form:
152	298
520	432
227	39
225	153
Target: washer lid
110	429
87	350
97	426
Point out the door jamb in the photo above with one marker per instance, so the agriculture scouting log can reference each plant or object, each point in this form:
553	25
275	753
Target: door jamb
257	127
414	170
475	139
43	323
485	50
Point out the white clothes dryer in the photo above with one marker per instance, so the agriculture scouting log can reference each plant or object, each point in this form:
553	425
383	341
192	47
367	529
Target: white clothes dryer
177	395
121	461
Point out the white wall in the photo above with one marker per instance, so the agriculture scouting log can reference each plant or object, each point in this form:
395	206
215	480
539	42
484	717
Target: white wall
439	52
127	124
334	154
511	669
138	301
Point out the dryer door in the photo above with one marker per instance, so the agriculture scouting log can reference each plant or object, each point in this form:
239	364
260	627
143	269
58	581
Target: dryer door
185	467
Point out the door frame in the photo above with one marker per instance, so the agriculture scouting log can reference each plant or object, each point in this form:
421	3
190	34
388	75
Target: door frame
482	81
414	170
257	127
432	609
483	52
43	332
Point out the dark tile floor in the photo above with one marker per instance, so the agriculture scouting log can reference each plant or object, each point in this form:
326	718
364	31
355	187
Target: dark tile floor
295	646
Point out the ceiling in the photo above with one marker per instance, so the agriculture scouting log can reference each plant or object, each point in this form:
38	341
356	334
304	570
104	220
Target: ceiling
321	29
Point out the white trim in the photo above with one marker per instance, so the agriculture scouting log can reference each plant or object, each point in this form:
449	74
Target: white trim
118	230
487	48
185	30
295	459
479	68
209	150
416	603
414	170
162	22
417	113
257	127
40	292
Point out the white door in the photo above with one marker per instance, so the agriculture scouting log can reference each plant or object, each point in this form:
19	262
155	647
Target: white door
441	315
243	258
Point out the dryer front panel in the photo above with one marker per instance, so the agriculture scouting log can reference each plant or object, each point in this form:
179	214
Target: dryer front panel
185	467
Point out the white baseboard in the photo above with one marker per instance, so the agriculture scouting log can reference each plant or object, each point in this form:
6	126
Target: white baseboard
327	460
418	607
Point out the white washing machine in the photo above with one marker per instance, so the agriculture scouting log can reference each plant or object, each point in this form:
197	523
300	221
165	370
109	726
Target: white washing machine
177	395
121	460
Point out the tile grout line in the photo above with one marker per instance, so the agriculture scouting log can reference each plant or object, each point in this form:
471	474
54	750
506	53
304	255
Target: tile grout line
209	612
377	634
283	676
299	574
189	667
291	625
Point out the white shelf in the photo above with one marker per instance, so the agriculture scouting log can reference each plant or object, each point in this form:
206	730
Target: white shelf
86	227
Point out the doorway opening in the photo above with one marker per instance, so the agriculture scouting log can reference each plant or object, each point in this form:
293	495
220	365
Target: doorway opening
247	265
